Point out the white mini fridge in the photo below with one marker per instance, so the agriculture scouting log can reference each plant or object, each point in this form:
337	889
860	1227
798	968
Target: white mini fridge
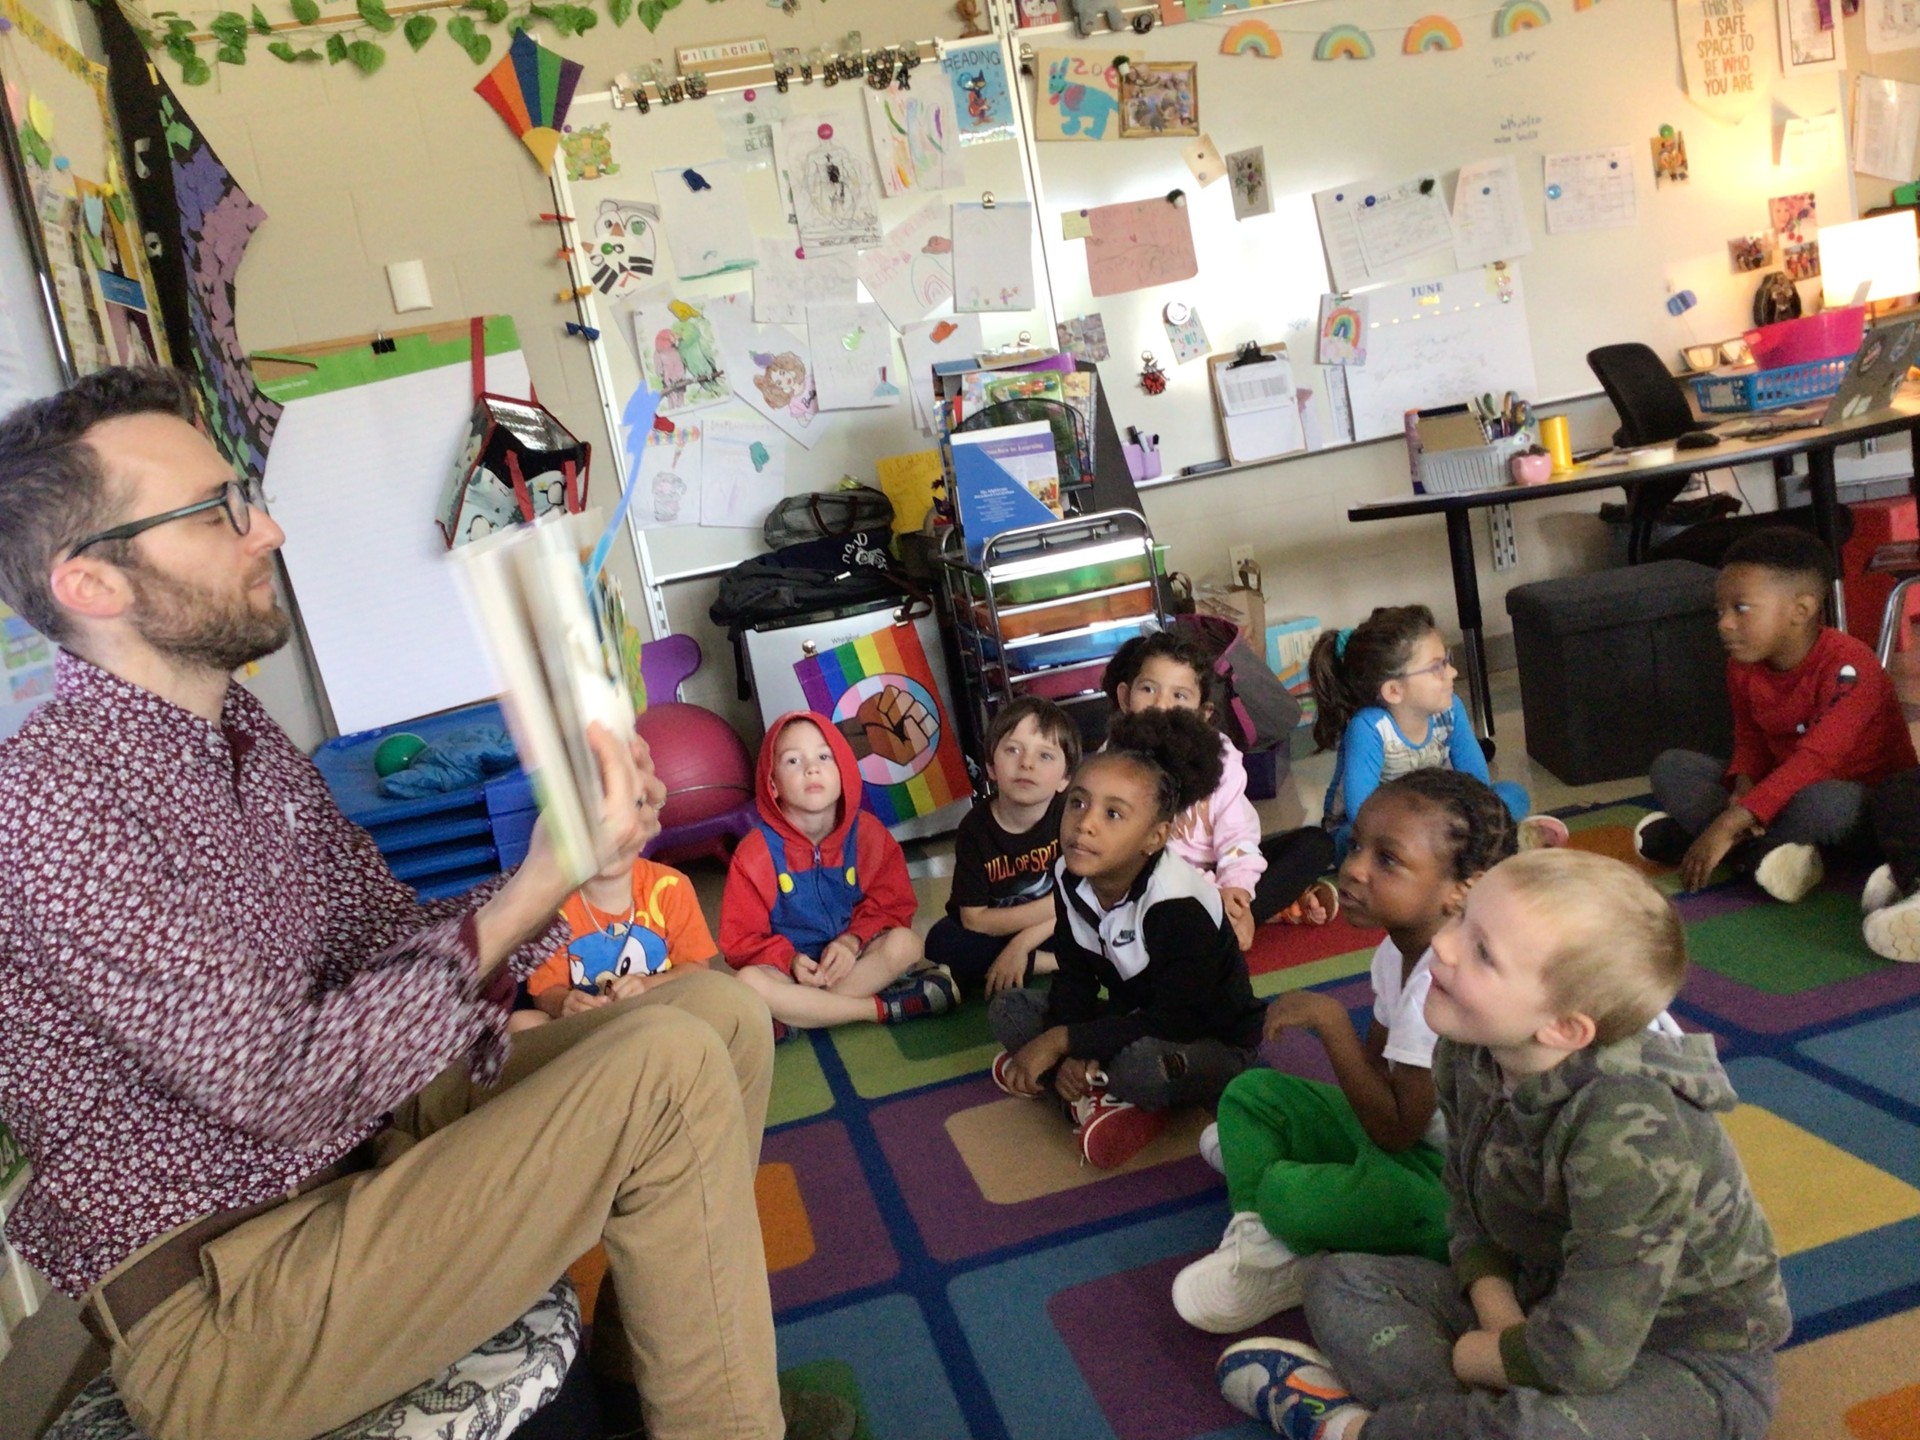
772	651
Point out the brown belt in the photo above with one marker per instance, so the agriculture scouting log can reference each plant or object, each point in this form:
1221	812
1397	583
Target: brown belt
132	1294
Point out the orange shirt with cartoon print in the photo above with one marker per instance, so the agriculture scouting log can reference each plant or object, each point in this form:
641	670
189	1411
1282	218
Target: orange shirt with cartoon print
662	902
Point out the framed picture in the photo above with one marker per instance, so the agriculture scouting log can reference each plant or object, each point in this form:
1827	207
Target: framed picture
1806	48
1159	99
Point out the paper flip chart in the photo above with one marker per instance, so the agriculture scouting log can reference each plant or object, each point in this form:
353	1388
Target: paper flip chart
1137	244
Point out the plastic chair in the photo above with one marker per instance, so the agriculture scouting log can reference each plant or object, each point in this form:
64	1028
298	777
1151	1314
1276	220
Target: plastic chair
1900	558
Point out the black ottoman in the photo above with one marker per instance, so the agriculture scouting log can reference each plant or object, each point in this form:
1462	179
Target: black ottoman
1619	665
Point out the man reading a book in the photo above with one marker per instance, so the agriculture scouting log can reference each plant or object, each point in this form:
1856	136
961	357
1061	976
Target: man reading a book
278	1140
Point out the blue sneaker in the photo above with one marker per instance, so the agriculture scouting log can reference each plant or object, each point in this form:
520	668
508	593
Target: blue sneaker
1288	1385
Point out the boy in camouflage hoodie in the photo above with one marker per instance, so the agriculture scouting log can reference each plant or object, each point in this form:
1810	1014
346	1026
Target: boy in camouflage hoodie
1612	1274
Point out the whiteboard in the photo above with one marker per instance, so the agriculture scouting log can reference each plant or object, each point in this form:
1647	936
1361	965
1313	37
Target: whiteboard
690	133
1607	75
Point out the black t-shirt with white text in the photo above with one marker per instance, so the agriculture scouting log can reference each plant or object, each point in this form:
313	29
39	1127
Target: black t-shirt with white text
997	868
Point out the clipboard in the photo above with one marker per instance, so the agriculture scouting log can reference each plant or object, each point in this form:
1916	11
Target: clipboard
1253	396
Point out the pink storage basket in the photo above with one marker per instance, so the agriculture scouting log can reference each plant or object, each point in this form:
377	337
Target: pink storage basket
1829	335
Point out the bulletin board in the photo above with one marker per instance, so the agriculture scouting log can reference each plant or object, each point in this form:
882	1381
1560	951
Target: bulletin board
1607	75
68	158
689	135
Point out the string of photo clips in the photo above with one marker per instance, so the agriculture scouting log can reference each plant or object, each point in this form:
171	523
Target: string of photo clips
648	85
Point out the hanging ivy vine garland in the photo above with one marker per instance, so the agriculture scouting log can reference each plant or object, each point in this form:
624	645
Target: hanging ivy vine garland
363	45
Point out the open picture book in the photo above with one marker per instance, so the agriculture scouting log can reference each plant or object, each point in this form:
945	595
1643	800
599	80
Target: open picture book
559	664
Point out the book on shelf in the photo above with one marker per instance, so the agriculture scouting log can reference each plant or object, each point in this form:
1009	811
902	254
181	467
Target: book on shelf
559	664
1004	478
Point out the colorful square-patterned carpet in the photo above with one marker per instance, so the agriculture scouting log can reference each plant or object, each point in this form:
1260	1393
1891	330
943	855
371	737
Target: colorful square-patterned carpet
938	1257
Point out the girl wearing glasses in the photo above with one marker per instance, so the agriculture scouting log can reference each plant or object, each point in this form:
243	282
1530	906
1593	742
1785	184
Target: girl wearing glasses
1385	691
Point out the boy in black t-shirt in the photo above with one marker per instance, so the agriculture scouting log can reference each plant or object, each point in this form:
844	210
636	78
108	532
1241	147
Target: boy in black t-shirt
1001	912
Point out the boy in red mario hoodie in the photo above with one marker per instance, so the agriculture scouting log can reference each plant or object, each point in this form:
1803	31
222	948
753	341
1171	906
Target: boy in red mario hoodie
818	908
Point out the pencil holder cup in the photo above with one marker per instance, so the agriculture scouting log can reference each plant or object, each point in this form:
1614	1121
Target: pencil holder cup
1143	461
1530	469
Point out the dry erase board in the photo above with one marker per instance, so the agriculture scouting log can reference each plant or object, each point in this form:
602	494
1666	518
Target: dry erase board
692	133
1608	75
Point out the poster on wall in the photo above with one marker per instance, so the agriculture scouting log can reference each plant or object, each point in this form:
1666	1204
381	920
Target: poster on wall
1726	53
879	692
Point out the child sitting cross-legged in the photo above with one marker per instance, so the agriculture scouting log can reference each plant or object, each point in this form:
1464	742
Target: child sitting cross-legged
636	926
1151	1006
999	919
818	909
1612	1273
1815	723
1387	707
1354	1165
1278	877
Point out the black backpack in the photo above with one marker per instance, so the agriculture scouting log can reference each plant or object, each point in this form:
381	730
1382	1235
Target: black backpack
814	580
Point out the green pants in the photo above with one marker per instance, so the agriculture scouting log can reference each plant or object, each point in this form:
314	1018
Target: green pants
1295	1152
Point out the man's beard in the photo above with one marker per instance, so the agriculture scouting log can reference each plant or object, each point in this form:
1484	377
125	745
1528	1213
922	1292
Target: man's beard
183	622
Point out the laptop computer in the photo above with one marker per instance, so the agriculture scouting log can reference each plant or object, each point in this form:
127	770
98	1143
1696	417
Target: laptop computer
1873	378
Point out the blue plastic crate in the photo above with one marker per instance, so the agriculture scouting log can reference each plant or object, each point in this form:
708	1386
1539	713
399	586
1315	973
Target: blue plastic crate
1752	390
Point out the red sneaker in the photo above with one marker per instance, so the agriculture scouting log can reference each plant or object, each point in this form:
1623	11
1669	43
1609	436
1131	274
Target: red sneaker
1000	1064
1111	1132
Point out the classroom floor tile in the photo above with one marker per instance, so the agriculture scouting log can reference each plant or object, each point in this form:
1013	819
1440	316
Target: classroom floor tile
826	1199
887	1349
884	1060
1032	1370
1880	1053
956	1220
1847	1383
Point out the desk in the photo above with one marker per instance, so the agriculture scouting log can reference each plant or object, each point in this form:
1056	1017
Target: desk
1645	495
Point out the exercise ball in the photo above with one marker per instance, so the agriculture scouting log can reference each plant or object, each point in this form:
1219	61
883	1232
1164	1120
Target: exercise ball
705	768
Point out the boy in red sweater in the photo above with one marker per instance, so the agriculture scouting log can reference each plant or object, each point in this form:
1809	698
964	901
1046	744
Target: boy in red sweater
1815	723
818	909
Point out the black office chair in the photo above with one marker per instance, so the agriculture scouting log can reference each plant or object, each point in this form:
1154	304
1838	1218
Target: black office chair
1653	407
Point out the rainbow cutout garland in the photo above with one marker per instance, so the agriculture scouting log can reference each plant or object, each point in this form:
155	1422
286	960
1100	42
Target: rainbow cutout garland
1518	15
1251	37
926	769
1344	42
1431	32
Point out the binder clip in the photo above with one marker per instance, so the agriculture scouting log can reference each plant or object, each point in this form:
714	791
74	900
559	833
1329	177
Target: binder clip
382	343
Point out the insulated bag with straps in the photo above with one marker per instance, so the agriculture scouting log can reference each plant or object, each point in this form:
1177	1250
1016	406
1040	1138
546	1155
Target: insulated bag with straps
845	572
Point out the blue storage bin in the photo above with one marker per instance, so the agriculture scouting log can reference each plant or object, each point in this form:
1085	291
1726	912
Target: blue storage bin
439	844
1769	389
1072	647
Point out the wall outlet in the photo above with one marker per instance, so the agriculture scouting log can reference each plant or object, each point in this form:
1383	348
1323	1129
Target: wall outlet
1238	555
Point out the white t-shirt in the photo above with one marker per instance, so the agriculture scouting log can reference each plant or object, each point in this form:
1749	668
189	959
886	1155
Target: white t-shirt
1401	1009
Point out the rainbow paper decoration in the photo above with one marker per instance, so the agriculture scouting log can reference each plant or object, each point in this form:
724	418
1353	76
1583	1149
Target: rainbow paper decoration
1344	42
1518	15
879	692
1251	37
1431	32
531	89
1585	4
1344	325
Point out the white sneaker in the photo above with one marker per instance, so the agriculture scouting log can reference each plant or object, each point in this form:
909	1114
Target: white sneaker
1881	891
1251	1277
1210	1147
1790	872
1893	931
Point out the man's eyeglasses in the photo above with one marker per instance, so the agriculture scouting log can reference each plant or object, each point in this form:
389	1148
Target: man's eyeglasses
1438	667
235	497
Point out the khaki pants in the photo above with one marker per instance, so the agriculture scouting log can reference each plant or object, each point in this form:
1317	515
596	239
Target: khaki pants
637	1124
